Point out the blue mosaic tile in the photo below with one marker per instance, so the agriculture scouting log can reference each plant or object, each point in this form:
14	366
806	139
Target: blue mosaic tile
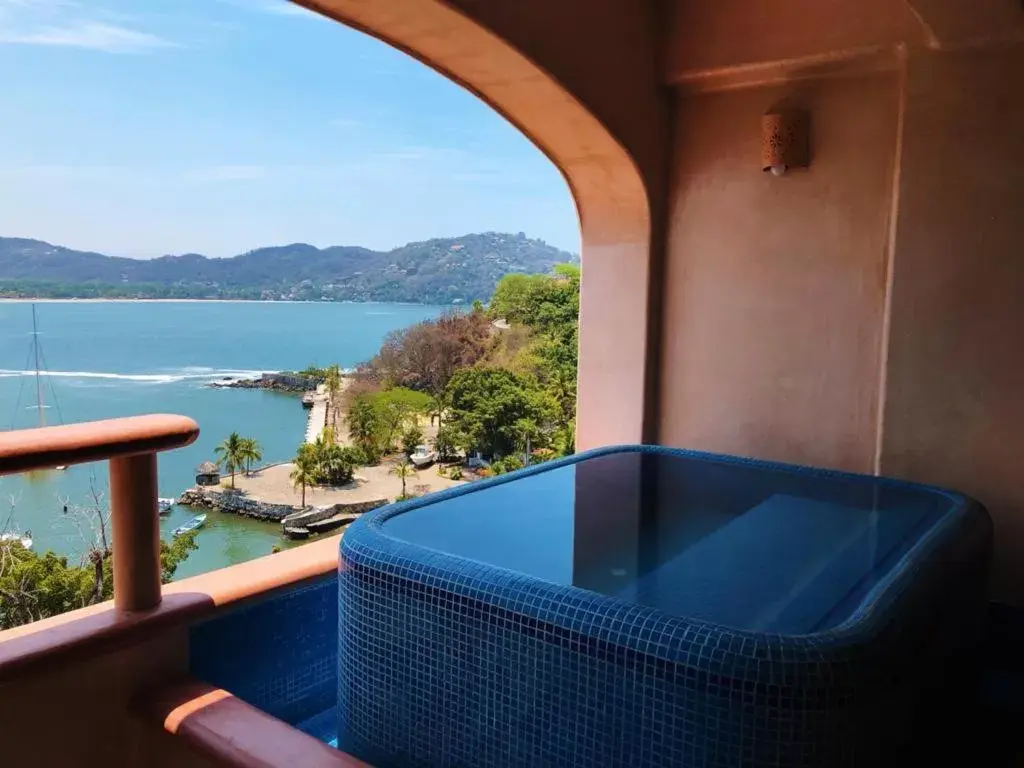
279	654
448	661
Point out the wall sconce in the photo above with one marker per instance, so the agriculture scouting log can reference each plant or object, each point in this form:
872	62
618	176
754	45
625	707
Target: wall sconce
785	140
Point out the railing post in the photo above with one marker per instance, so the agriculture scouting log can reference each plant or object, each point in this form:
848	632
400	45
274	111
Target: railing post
136	529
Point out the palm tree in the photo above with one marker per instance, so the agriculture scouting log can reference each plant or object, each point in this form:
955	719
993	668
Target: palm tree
438	404
332	383
304	473
251	451
404	471
362	425
231	454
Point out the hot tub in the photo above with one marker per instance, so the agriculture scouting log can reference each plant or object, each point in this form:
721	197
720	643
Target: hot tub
648	606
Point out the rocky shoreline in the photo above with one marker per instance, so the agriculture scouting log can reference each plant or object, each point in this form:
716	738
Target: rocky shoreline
296	522
276	382
236	503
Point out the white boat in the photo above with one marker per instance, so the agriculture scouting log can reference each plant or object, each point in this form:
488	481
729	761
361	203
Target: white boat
25	539
164	505
194	524
423	456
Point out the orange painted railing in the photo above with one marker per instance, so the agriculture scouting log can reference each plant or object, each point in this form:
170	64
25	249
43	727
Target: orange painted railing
131	446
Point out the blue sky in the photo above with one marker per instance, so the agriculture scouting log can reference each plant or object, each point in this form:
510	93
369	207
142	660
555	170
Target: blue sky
144	127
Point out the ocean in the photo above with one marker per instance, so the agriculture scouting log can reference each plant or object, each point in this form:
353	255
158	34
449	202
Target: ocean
109	359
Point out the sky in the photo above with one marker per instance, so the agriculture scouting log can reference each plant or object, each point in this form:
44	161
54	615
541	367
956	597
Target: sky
144	127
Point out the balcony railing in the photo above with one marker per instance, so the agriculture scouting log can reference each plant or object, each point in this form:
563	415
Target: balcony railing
130	445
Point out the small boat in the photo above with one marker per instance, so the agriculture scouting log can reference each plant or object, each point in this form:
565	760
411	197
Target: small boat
164	505
423	456
25	539
194	524
308	399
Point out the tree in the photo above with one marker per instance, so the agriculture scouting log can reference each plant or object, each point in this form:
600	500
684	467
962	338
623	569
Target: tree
425	356
332	383
363	425
447	442
411	438
403	471
397	408
487	403
334	464
251	451
304	472
231	454
36	586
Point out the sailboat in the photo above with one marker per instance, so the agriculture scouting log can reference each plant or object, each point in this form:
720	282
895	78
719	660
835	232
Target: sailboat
36	354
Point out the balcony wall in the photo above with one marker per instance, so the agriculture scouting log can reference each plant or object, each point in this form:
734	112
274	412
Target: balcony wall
775	287
864	313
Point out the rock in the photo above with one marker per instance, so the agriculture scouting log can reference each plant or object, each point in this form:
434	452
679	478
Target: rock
276	382
296	533
236	503
308	518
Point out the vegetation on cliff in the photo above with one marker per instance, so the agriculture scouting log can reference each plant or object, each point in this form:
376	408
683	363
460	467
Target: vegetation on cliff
500	381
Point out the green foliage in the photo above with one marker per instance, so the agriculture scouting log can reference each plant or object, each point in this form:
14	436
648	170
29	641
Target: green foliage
377	420
447	442
232	454
411	437
35	586
305	471
363	426
251	451
507	464
487	404
404	471
548	306
324	462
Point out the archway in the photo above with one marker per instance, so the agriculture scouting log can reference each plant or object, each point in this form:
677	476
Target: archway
607	186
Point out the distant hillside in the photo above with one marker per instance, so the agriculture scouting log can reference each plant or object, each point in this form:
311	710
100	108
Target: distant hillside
440	271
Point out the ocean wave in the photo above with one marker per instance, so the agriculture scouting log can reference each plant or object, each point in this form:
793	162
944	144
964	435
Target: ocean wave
169	377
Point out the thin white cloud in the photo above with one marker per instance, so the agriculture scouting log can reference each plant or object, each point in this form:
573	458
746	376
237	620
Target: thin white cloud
91	35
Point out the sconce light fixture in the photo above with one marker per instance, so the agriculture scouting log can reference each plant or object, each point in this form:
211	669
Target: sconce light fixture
785	140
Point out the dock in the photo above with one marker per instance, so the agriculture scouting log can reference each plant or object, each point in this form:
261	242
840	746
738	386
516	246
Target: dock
317	415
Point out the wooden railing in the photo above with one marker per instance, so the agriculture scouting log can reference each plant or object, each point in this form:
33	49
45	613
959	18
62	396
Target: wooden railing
131	446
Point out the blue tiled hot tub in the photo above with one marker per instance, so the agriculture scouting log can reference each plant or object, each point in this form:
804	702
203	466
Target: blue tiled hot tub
647	606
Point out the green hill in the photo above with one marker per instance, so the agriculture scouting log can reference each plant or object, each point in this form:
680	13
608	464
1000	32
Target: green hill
439	271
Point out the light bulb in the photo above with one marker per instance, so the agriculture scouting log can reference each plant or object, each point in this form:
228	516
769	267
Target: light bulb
778	170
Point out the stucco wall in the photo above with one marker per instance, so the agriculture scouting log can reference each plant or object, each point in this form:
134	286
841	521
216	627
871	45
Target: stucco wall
81	715
955	402
775	287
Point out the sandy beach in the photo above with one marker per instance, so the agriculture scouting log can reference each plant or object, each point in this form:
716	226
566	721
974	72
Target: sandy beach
274	486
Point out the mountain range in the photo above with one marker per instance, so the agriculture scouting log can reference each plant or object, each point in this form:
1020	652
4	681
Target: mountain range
439	271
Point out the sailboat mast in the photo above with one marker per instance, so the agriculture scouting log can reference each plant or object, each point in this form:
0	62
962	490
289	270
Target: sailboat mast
39	378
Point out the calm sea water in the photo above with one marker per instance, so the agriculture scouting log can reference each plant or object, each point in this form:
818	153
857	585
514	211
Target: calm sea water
109	359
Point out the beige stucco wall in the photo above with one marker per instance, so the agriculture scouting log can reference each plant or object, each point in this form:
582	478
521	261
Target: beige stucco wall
954	410
775	287
776	338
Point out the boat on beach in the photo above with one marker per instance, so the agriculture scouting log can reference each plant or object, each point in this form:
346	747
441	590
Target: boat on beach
423	456
194	524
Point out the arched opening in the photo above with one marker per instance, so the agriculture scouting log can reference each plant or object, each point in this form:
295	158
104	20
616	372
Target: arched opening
606	184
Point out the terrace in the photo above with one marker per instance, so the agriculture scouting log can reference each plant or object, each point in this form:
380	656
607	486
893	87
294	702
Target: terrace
857	309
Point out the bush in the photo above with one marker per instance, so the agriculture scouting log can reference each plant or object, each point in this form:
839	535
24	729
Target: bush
356	456
507	464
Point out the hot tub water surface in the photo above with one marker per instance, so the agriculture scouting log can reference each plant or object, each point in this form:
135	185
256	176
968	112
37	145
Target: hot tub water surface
651	607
